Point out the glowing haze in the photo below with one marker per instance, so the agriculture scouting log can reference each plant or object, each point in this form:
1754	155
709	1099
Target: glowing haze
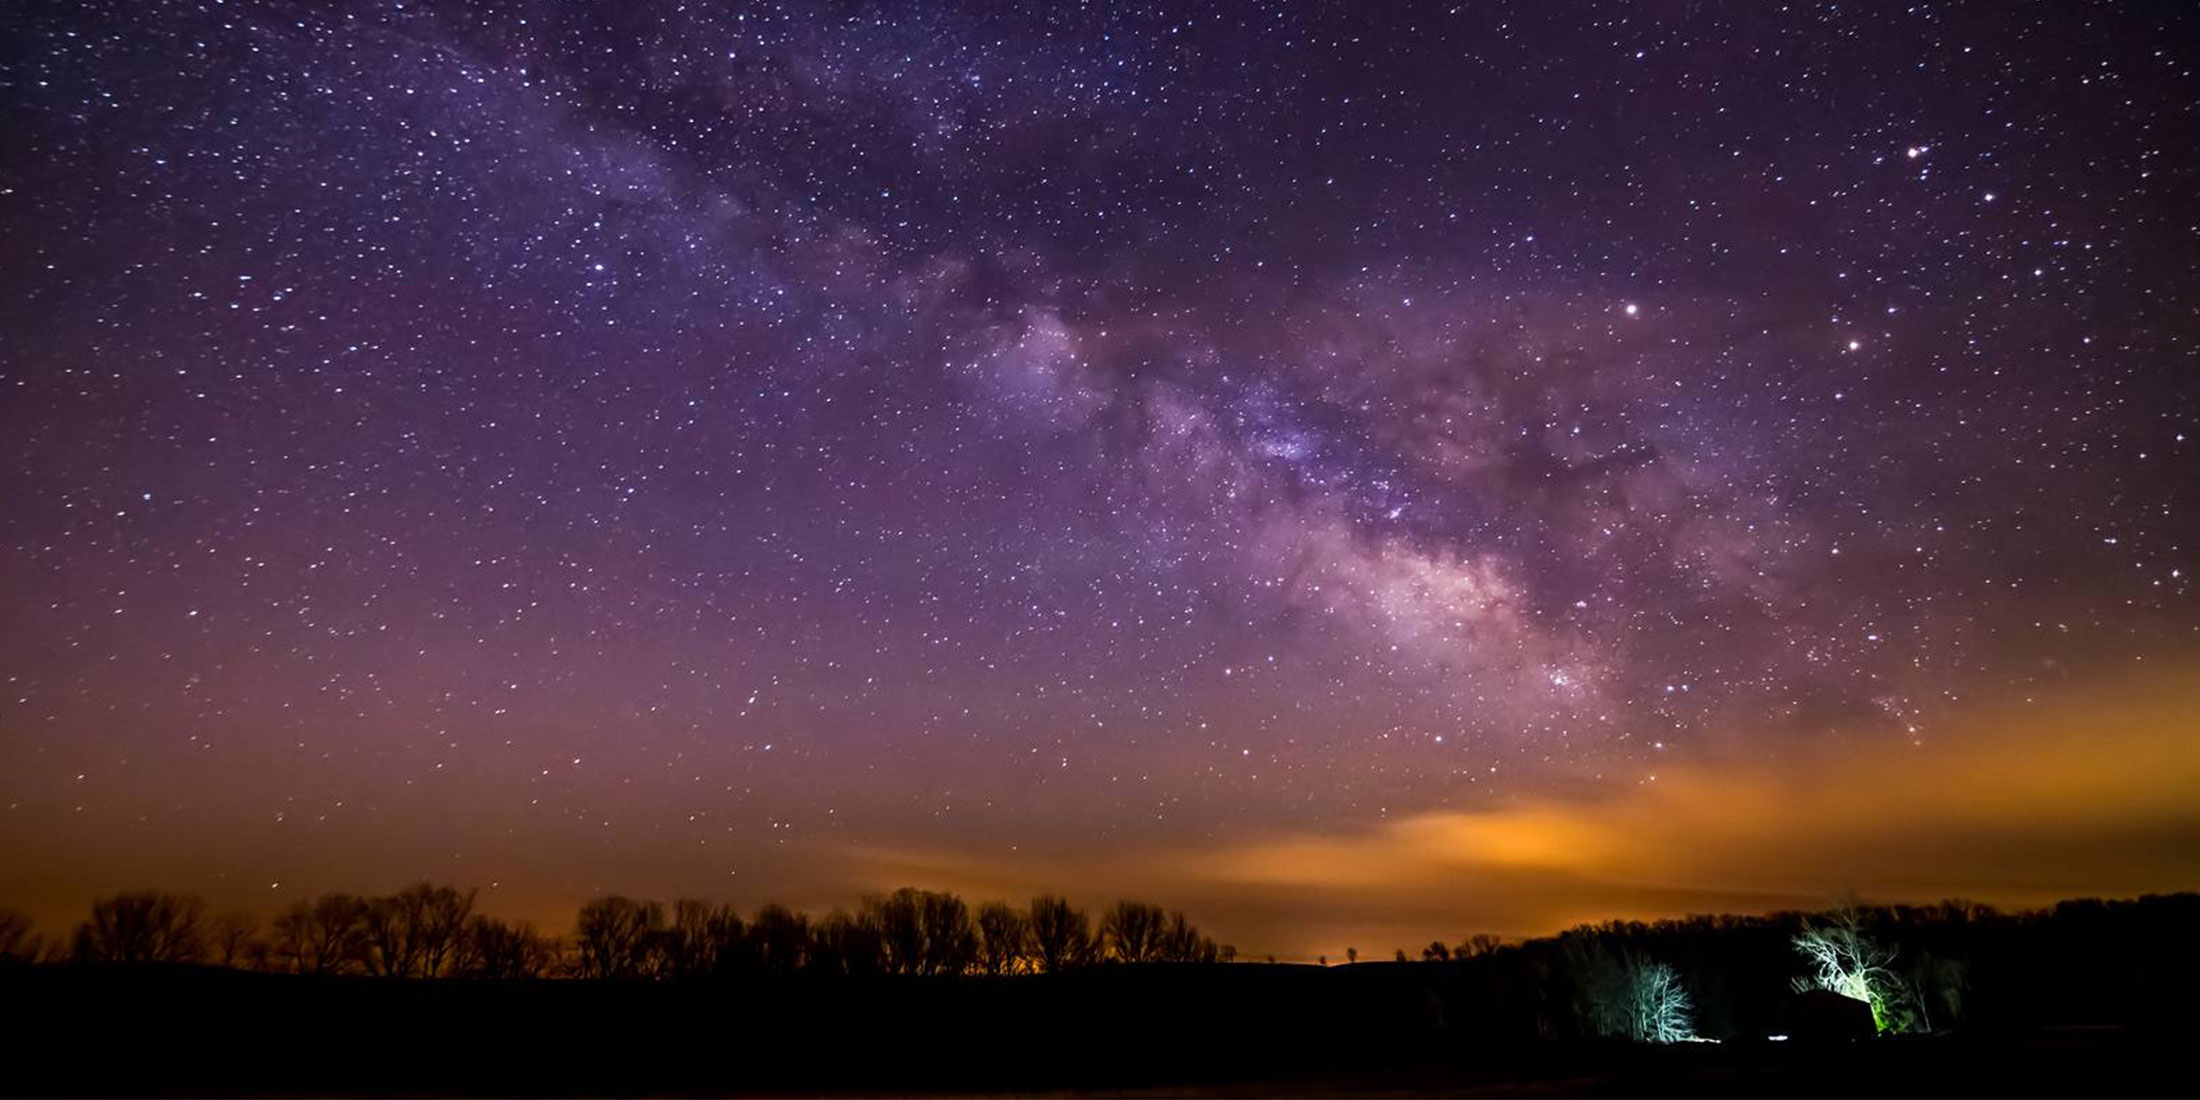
1359	476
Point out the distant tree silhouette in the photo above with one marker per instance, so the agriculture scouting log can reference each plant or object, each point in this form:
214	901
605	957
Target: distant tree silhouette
444	916
618	937
418	932
144	927
234	938
507	951
899	917
1436	952
1401	955
781	937
386	939
1478	945
703	939
923	932
1133	931
20	945
323	935
1004	938
845	943
1061	934
1182	942
1954	965
950	942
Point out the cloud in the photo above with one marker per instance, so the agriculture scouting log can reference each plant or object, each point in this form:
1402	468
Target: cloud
2097	793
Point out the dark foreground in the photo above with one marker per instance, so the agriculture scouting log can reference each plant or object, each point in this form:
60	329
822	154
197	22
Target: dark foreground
1246	1030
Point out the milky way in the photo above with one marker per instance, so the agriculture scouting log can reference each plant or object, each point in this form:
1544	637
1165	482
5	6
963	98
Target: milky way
672	446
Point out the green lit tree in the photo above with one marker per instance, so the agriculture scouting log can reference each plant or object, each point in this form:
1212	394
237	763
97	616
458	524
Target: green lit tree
1846	960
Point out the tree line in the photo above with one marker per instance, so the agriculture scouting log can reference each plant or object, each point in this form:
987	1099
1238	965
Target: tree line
1952	966
432	931
1899	969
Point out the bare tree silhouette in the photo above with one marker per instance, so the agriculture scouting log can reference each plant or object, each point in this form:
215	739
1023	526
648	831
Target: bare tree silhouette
618	937
899	917
1133	932
1061	934
440	917
781	937
502	950
923	932
950	943
235	939
1477	945
843	943
20	945
324	935
703	939
1004	938
144	927
1182	942
389	947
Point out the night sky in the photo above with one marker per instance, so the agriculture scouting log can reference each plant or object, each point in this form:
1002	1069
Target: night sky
1347	470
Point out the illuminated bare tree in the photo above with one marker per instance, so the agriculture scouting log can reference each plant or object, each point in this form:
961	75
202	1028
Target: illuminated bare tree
1061	934
1660	1011
144	927
1621	994
1845	960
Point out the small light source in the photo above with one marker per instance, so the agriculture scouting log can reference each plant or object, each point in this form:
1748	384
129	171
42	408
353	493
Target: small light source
1776	1038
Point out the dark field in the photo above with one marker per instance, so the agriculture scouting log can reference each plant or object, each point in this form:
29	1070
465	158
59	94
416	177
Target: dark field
1242	1030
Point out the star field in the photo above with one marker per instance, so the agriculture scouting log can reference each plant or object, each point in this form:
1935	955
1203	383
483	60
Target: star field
701	448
